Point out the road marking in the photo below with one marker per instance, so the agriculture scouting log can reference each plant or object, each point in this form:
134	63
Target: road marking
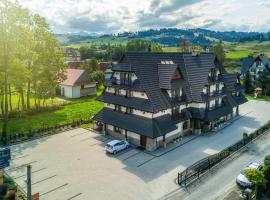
85	139
16	158
52	190
23	165
32	173
132	155
78	134
100	142
73	197
45	179
146	162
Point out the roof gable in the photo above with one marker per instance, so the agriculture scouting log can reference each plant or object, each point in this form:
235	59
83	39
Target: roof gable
75	77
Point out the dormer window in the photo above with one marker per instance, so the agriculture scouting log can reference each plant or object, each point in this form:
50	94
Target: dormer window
177	74
167	62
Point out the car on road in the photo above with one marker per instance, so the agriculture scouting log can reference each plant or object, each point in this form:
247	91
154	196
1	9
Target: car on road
242	180
116	145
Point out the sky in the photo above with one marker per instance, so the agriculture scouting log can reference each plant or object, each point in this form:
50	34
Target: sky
115	16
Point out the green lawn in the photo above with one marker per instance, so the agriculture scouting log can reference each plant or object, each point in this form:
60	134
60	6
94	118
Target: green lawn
48	102
259	98
83	108
238	54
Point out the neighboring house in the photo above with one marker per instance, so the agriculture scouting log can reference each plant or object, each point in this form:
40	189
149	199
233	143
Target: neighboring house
71	55
154	98
108	74
75	64
255	65
105	65
78	84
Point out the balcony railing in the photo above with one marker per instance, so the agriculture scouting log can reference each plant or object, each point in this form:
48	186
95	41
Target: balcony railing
215	79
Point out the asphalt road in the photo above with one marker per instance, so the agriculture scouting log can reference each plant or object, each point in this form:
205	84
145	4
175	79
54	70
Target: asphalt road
222	180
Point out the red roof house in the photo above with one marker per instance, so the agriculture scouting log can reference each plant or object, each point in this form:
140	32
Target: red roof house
78	83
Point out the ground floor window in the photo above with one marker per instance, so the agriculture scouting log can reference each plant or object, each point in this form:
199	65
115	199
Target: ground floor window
117	129
185	125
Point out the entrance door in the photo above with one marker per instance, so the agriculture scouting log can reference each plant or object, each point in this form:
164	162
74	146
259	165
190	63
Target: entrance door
143	141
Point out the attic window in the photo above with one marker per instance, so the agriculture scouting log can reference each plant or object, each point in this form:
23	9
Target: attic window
167	62
176	75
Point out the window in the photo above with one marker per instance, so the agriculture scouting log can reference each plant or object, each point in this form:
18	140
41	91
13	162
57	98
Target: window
117	129
125	78
216	103
117	92
82	86
185	125
118	108
129	110
207	105
128	93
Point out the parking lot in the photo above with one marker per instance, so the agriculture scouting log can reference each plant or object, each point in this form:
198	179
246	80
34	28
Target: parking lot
74	165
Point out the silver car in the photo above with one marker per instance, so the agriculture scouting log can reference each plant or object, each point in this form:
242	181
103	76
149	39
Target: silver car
242	180
116	145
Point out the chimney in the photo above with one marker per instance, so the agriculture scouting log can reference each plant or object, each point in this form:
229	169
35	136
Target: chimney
207	49
149	48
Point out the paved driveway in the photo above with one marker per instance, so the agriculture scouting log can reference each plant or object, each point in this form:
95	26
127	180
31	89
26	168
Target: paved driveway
73	165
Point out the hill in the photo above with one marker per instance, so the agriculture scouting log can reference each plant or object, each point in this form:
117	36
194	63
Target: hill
165	37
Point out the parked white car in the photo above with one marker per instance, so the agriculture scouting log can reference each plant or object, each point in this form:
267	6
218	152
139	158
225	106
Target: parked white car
116	145
242	180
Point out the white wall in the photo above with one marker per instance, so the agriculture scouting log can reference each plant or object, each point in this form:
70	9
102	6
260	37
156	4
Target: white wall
212	104
197	105
139	95
163	112
133	135
71	92
108	105
142	113
110	90
90	85
76	91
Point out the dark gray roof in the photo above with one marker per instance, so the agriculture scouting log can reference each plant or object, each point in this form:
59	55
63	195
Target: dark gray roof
165	74
217	113
136	86
230	81
197	69
264	60
247	63
141	125
194	71
137	103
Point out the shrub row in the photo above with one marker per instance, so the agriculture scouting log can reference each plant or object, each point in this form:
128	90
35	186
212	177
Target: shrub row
46	130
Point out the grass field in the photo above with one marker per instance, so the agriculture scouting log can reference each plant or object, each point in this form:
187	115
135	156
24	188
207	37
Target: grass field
259	98
47	102
77	109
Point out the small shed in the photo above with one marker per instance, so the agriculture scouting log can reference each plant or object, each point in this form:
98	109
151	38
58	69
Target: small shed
78	84
258	90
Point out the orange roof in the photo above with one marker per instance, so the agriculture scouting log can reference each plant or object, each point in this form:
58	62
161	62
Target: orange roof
76	76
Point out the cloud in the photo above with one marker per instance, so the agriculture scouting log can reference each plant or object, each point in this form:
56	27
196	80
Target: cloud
112	16
161	6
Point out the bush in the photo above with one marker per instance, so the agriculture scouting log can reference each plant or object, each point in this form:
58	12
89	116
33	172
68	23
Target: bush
3	190
11	195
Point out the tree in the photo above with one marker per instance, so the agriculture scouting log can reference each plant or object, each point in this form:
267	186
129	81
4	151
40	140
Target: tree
137	45
219	52
156	48
98	76
29	58
257	178
247	83
263	81
184	45
91	66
